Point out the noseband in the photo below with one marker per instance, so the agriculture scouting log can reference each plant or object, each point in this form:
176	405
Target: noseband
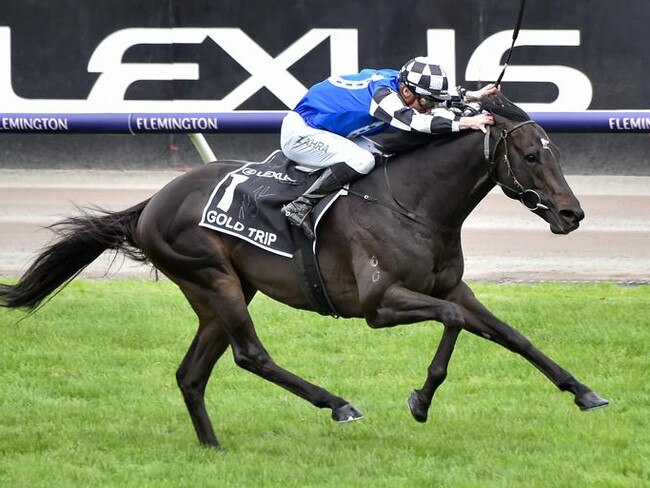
528	197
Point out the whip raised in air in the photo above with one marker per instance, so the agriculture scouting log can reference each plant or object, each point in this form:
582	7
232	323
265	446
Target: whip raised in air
515	34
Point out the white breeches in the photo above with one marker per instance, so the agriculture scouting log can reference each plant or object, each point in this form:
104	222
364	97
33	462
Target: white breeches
316	148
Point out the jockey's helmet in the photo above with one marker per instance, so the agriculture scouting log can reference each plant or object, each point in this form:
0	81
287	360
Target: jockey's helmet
425	78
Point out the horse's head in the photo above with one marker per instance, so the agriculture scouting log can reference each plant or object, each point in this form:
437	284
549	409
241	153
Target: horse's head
526	165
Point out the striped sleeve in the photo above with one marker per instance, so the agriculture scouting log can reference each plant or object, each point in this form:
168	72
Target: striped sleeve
387	106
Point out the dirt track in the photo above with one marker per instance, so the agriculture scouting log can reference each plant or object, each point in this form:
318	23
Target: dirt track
502	240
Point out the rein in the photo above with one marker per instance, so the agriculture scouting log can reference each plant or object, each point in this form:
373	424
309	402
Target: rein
528	197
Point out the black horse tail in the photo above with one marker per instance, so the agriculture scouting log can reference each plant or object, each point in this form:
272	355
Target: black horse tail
82	239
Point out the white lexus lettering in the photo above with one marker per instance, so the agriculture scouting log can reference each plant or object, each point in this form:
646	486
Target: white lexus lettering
574	88
115	77
267	174
265	71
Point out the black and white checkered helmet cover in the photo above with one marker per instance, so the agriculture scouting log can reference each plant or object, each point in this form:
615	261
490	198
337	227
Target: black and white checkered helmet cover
425	78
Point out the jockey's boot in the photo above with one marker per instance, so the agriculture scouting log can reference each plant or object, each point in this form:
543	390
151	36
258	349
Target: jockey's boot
332	178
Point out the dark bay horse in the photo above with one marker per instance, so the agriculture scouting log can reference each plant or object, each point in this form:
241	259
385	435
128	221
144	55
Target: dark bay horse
393	259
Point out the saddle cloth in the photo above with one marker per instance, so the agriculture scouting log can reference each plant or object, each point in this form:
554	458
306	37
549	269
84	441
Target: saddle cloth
247	204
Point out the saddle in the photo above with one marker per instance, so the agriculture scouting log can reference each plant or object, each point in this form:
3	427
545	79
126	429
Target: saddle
246	203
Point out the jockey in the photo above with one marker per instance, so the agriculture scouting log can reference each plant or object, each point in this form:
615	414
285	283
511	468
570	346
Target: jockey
317	132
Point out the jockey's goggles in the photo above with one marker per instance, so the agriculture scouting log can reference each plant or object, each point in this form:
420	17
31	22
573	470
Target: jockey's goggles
427	103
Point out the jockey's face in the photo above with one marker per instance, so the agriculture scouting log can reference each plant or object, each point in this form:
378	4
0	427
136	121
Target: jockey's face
416	102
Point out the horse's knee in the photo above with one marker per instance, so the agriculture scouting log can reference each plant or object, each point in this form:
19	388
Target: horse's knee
190	388
378	319
253	361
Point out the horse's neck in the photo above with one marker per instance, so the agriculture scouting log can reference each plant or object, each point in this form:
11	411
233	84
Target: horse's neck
451	179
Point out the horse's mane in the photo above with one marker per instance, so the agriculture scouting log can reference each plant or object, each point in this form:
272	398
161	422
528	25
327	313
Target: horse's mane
399	141
498	104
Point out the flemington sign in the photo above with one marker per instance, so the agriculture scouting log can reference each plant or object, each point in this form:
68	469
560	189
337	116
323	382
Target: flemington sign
269	122
142	123
107	105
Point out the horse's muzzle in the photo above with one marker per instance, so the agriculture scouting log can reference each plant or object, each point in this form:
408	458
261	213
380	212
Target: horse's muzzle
567	220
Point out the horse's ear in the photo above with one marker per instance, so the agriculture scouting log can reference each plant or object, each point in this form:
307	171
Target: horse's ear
489	102
498	104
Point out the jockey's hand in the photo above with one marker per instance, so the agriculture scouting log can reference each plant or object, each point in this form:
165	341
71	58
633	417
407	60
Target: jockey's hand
476	122
489	89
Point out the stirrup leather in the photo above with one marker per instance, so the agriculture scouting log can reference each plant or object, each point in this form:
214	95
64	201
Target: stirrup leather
331	179
297	213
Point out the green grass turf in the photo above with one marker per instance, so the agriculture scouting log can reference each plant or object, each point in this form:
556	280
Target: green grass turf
89	396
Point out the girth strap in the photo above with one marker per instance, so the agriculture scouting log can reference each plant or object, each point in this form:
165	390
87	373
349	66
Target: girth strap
311	283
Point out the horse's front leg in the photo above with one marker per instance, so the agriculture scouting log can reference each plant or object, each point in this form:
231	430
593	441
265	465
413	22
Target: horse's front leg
480	321
399	305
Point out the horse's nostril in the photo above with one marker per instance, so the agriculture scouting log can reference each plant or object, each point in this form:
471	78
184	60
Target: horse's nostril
572	215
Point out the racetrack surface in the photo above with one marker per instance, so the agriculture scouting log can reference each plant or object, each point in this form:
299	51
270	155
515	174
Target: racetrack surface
502	240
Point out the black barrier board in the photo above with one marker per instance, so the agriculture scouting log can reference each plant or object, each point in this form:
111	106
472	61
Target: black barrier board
260	55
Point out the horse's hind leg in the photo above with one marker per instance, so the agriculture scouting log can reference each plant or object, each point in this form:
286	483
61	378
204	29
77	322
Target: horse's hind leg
480	321
217	297
192	376
250	354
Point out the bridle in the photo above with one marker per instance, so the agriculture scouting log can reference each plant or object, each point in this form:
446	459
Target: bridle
527	196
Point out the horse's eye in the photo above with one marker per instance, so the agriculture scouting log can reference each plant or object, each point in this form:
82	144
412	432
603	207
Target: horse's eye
531	158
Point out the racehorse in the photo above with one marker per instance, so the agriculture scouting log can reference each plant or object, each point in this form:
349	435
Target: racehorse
393	257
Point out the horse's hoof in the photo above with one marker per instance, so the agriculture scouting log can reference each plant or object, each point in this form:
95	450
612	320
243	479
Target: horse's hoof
590	401
214	447
418	410
347	413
